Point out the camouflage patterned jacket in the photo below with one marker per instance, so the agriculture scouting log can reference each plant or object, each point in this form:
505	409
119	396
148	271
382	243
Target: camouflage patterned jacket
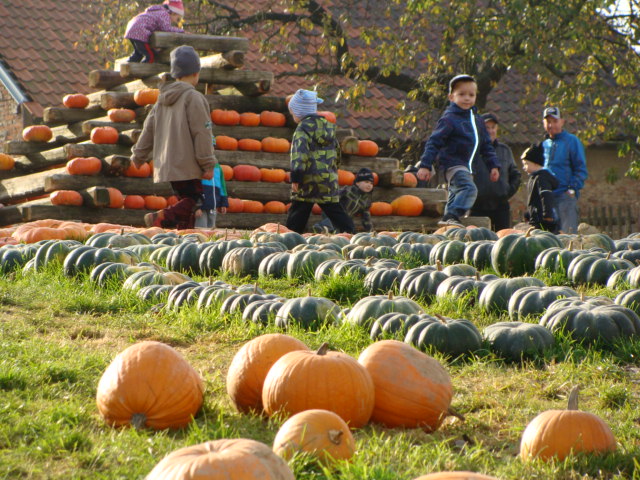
356	202
314	165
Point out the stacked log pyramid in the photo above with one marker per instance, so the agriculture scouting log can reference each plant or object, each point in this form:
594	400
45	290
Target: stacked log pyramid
40	167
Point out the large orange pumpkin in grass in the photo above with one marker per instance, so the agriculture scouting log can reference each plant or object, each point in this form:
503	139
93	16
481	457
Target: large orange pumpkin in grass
380	209
272	119
7	162
225	117
412	390
367	148
224	142
227	172
143	172
75	100
409	180
558	433
250	366
134	202
154	202
319	433
49	229
345	177
66	197
237	459
304	380
249	145
249	119
149	385
84	166
330	116
252	206
37	133
146	96
456	476
104	135
235	205
275	206
272	175
275	145
407	206
116	199
121	115
246	173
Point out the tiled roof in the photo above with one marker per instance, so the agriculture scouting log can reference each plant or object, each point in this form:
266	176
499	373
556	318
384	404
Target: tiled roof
37	46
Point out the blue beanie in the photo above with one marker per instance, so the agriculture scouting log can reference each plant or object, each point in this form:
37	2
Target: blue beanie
304	102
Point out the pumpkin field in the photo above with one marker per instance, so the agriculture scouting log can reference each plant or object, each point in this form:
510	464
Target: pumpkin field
274	355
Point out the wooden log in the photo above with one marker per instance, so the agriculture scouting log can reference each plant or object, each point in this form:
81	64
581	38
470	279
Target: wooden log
115	165
209	43
95	197
129	137
94	150
39	210
25	186
244	104
254	89
105	122
42	160
109	100
392	178
9	215
127	185
207	75
105	79
62	115
229	60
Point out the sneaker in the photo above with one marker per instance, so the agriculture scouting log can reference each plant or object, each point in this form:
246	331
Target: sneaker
152	219
450	221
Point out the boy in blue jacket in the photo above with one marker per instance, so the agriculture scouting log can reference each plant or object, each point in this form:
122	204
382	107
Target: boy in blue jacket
215	199
459	136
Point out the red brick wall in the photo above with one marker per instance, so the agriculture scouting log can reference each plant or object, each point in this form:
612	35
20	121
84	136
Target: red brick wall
10	121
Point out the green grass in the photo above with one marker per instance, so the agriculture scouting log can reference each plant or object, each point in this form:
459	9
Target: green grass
57	335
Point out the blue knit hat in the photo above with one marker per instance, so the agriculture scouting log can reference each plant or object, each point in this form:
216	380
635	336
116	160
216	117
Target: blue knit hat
304	102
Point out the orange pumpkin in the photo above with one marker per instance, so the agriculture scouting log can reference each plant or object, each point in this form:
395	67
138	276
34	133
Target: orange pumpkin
104	135
455	476
558	433
272	175
235	205
237	459
272	119
299	380
249	119
320	433
412	390
367	148
143	172
84	166
66	197
409	180
75	100
224	142
116	199
252	206
7	162
275	145
330	116
149	385
346	177
376	178
247	173
49	229
407	206
135	202
227	172
172	200
316	210
250	366
225	117
37	133
122	115
154	202
146	96
380	209
249	145
508	231
349	145
275	206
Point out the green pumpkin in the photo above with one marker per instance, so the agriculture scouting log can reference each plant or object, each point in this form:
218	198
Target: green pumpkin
533	301
419	251
326	246
325	269
235	304
160	254
107	273
625	278
395	324
354	251
556	259
415	237
53	252
183	294
213	296
422	282
627	244
629	299
308	313
143	251
478	253
368	309
595	240
303	264
458	285
117	240
211	257
185	257
471	234
496	294
381	280
452	337
274	265
142	278
262	312
167	238
515	254
373	239
154	293
15	257
242	261
324	239
289	239
447	252
630	255
516	341
357	267
595	268
460	269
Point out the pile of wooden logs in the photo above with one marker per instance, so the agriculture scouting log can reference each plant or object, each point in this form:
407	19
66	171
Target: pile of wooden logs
40	167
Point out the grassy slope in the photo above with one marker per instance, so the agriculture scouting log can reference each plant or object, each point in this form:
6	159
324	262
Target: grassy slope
58	335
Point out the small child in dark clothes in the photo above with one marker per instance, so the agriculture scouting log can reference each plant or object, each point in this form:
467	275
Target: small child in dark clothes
215	199
541	205
156	18
355	199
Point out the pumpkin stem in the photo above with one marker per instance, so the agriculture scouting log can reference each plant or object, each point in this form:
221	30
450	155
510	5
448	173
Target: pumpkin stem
309	292
278	228
226	232
255	287
442	318
324	348
439	265
570	246
528	232
390	295
477	275
573	398
582	297
608	256
335	436
400	266
452	412
138	421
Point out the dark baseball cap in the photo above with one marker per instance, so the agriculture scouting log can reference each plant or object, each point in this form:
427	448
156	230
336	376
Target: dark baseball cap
490	116
552	112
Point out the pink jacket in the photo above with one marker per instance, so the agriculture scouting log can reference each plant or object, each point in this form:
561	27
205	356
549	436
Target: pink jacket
156	18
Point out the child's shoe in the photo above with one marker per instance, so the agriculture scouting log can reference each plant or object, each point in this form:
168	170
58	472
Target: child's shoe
450	220
154	219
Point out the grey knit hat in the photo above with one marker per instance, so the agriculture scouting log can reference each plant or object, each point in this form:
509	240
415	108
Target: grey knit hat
304	102
184	61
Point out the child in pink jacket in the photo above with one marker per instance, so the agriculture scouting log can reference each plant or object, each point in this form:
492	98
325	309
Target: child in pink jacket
156	18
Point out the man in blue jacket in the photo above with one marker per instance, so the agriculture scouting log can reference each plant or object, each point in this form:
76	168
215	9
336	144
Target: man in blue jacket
564	158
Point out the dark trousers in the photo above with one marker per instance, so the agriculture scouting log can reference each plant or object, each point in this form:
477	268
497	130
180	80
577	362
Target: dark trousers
180	215
299	215
500	216
142	52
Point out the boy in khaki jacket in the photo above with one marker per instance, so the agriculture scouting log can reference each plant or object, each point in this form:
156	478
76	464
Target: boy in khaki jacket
178	132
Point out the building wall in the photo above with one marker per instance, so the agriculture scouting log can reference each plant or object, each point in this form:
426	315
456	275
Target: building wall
10	121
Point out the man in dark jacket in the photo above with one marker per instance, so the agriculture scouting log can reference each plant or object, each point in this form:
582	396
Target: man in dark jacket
493	197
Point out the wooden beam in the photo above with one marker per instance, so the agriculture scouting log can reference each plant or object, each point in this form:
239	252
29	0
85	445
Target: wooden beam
39	210
105	79
254	89
61	115
88	149
127	185
244	104
95	197
42	160
209	43
25	186
9	215
207	75
105	122
229	60
109	100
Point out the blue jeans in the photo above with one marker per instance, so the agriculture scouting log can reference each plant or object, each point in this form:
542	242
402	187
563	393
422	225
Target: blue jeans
462	194
568	212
